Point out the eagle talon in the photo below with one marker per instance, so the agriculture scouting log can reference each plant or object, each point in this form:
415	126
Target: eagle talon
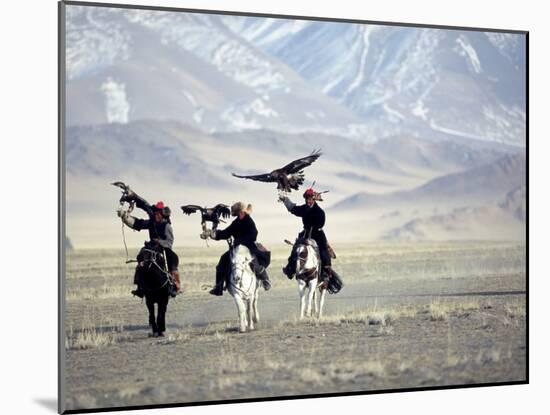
213	215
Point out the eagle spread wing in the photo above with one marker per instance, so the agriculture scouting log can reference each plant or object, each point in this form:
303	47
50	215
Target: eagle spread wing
290	176
188	209
121	185
297	165
222	210
259	177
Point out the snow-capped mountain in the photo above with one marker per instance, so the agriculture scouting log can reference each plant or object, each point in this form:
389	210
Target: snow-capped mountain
125	65
232	73
404	79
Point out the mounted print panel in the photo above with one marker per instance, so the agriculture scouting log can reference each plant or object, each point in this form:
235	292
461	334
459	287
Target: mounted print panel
258	207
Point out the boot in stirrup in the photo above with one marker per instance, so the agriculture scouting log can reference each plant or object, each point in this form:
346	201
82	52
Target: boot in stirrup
261	274
177	282
218	288
138	292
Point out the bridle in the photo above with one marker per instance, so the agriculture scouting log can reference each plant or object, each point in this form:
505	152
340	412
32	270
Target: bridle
153	261
236	267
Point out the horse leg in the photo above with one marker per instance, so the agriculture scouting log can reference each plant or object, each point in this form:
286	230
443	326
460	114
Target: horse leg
315	299
256	318
302	291
250	313
241	308
311	292
161	313
151	307
322	301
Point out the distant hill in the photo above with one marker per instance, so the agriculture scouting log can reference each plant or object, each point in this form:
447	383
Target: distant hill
479	183
515	203
143	148
502	221
440	155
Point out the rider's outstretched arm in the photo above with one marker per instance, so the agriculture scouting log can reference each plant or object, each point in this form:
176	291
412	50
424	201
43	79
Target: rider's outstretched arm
293	208
132	222
224	233
288	203
143	205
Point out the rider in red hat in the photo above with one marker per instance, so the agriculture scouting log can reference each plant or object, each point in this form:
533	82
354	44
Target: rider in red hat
160	234
313	219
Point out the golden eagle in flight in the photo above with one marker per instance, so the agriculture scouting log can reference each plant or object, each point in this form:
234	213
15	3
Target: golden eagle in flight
213	215
288	177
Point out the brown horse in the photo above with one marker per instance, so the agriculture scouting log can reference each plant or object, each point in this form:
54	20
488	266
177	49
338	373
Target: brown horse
157	286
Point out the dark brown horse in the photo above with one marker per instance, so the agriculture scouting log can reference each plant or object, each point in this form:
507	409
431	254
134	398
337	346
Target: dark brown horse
157	286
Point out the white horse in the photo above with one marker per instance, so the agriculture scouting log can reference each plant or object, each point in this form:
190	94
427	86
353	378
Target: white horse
244	287
308	275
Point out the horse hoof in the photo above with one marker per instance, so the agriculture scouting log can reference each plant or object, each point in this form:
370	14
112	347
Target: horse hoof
241	330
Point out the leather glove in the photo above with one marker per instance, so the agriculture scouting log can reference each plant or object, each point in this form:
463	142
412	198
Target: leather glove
207	233
126	218
288	204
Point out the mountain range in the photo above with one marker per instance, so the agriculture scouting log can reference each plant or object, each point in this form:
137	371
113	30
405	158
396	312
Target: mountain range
422	130
232	73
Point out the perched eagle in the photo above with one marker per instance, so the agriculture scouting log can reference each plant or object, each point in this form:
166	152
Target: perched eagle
213	215
123	186
288	177
127	194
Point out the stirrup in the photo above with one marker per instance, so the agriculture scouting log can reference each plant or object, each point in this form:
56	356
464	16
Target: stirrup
218	291
138	292
289	275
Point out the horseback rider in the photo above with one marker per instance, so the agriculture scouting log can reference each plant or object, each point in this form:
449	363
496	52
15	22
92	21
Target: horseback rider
244	232
161	236
313	219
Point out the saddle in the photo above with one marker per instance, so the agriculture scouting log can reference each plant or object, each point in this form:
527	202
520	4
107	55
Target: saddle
263	255
151	247
306	241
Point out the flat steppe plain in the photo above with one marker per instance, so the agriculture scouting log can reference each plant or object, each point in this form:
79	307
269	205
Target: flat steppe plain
410	316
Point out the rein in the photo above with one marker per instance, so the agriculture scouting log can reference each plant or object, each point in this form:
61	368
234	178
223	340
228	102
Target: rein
130	209
243	292
128	260
154	262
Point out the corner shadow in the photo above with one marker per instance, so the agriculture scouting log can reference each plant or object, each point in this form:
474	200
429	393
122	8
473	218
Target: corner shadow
48	403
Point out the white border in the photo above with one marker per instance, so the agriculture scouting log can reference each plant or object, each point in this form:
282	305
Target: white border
29	202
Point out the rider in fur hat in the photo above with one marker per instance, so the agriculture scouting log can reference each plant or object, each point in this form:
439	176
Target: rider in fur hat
244	232
160	234
313	219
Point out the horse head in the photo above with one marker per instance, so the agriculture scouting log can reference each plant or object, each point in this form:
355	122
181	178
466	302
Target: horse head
240	262
243	287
